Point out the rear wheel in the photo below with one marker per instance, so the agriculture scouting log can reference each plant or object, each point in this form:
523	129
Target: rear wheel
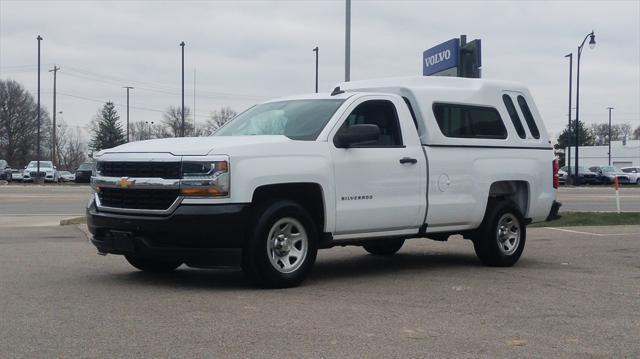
152	265
386	247
283	246
500	240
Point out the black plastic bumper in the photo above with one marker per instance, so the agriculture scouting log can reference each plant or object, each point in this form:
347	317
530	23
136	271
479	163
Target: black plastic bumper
196	234
555	208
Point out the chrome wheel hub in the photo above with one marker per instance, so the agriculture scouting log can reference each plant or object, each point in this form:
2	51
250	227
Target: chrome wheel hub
508	234
287	245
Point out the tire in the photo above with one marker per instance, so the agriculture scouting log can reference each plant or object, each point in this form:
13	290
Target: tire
152	265
495	247
386	247
282	247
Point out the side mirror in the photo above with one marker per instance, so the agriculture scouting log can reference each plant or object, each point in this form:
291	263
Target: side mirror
356	135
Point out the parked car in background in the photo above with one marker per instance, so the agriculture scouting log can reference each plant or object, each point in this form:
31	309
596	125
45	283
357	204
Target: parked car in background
47	171
5	171
66	176
633	173
16	175
585	176
83	173
562	175
606	174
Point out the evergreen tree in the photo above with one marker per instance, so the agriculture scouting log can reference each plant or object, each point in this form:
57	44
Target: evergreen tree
586	139
107	132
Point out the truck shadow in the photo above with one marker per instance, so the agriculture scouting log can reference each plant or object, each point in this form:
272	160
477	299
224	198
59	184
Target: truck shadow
344	268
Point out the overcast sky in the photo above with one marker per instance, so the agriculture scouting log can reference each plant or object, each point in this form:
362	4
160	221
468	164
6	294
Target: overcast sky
244	52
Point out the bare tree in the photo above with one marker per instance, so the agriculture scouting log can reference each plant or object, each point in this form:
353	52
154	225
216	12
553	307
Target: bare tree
18	125
600	132
146	130
219	117
71	149
636	133
172	119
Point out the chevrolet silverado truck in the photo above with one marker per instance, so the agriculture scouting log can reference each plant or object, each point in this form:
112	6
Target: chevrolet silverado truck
371	164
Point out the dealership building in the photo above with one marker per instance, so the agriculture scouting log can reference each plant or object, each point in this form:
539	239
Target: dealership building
623	154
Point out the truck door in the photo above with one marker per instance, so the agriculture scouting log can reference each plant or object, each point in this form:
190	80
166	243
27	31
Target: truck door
380	186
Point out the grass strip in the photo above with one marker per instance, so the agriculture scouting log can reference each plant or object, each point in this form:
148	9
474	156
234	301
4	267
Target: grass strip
569	219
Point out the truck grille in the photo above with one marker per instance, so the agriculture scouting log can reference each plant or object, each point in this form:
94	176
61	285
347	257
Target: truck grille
166	170
159	199
34	174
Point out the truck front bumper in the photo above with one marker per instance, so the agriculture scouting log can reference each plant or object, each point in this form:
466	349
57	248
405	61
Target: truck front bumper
195	234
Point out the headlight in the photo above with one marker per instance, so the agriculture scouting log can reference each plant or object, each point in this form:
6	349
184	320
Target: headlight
205	179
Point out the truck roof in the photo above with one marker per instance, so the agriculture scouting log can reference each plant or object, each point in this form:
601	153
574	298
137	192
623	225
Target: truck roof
430	83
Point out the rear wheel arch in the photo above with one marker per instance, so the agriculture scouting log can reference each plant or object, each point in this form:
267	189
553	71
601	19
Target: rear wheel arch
516	191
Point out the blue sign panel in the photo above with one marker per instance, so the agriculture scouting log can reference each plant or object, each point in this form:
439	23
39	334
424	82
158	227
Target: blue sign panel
440	57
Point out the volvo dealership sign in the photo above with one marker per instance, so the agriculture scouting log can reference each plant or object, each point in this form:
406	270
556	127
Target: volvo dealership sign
455	57
441	58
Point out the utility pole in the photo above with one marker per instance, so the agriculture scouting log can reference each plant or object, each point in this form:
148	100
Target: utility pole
568	154
182	126
39	38
347	43
194	100
609	108
316	50
128	88
53	135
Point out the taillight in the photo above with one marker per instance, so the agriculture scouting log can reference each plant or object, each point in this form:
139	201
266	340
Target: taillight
556	178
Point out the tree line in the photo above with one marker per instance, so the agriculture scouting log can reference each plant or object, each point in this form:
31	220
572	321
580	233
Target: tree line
18	129
108	131
595	134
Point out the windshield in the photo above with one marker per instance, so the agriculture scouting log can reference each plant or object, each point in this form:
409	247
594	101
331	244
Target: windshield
86	166
297	119
43	164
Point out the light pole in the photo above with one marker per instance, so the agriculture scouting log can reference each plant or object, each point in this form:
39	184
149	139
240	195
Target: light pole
568	154
347	42
592	44
39	38
128	88
609	108
182	111
315	49
53	135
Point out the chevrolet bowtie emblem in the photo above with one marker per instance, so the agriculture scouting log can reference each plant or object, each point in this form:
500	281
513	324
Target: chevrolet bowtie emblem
125	182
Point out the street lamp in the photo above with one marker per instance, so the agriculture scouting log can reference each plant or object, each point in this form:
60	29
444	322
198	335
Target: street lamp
592	43
568	154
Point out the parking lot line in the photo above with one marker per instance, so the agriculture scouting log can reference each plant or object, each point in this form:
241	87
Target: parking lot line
588	233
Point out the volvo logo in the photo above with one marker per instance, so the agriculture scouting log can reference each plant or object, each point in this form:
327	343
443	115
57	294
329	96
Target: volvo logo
437	58
125	182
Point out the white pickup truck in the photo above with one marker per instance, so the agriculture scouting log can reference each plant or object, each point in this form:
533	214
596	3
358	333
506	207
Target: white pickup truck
372	164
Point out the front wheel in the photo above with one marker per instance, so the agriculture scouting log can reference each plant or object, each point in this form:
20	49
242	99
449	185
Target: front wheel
282	247
152	265
500	239
386	247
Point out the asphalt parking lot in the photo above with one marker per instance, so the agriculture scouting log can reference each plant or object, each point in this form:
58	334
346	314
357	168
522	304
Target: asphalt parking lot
575	293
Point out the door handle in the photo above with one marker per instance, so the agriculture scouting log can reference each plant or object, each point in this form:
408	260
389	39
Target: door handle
410	160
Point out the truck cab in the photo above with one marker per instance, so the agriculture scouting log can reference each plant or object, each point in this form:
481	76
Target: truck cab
372	163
